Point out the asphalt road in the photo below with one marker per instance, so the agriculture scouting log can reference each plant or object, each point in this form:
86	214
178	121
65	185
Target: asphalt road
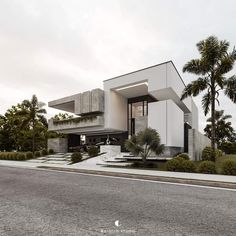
38	202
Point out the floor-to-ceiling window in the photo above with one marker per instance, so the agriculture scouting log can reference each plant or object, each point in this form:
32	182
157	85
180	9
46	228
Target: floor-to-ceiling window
137	107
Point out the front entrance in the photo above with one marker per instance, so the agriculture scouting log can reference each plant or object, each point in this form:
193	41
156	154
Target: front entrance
137	113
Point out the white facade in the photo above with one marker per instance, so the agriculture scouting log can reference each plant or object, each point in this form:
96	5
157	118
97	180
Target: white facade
160	85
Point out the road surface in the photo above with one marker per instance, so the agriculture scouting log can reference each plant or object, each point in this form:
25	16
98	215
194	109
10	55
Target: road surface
40	202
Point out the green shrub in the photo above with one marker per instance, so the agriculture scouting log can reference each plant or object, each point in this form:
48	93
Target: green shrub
183	155
219	153
207	151
44	152
207	167
29	155
50	151
37	154
175	164
180	164
206	154
228	148
229	167
189	166
19	157
93	151
76	157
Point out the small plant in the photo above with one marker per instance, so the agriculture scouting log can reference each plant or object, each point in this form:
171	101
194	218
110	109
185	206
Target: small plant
50	151
37	154
229	167
76	157
93	151
183	155
29	155
207	167
44	152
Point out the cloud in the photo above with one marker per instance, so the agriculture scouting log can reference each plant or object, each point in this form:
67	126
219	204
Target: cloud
55	48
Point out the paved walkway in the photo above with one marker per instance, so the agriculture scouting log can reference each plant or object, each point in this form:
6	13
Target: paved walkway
90	166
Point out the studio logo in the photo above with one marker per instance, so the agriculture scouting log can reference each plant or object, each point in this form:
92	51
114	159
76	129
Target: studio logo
117	224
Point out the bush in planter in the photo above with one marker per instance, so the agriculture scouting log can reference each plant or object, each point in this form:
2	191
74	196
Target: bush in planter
37	154
29	155
93	151
229	167
44	152
183	155
50	151
207	167
76	157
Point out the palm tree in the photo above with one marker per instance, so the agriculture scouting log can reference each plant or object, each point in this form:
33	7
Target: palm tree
224	130
211	68
144	143
32	112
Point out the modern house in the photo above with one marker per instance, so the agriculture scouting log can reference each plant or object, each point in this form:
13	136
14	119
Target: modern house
129	103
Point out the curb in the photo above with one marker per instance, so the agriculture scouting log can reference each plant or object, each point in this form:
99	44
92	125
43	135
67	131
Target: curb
207	183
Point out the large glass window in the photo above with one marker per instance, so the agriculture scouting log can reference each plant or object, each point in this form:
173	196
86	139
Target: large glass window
137	107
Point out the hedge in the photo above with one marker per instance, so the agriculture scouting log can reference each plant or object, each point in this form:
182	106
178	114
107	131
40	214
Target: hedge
16	156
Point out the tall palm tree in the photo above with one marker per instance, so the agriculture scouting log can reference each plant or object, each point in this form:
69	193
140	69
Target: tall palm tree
33	113
224	130
211	68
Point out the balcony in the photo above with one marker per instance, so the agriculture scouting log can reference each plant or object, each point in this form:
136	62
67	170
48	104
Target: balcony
76	124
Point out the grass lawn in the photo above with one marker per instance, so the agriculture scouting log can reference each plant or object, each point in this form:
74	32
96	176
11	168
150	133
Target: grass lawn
220	160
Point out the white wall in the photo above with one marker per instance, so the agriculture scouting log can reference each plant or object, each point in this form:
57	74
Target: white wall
157	119
175	125
167	119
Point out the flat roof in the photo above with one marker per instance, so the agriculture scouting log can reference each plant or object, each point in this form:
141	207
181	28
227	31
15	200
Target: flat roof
146	68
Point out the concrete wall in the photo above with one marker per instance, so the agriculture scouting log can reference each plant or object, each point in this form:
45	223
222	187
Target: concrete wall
58	144
196	143
81	103
168	120
115	111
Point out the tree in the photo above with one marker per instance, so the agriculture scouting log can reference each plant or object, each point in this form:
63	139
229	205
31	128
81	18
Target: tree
144	143
33	114
211	68
224	130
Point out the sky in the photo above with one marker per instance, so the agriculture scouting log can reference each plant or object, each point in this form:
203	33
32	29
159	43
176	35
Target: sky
56	48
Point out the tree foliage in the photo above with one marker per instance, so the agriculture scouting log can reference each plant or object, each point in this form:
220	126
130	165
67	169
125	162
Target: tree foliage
24	127
211	68
224	130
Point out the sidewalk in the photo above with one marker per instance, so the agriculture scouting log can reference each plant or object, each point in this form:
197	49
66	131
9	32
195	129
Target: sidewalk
136	172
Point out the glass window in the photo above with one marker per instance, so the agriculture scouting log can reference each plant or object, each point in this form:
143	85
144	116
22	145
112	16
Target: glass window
137	109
